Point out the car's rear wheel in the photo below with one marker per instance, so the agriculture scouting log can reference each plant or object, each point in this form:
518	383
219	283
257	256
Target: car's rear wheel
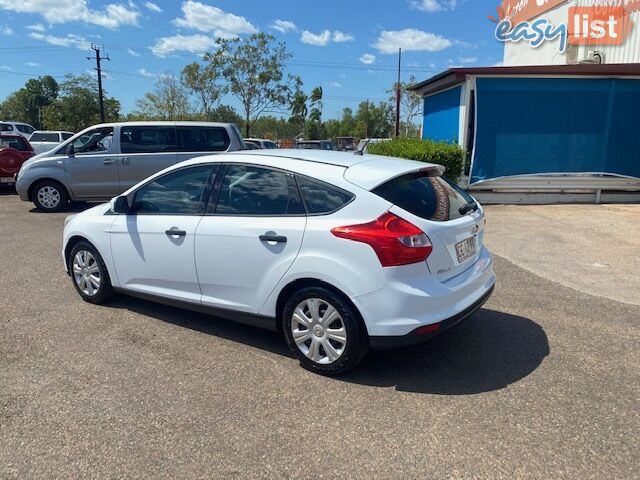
50	196
89	273
323	331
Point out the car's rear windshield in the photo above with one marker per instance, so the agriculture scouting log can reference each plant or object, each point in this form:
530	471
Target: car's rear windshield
426	196
44	137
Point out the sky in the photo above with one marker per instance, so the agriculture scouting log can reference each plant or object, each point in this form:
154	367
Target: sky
348	47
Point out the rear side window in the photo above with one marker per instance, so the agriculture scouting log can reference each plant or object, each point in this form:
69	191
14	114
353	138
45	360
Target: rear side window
25	128
44	137
431	198
320	198
202	139
67	136
177	193
152	139
249	190
5	127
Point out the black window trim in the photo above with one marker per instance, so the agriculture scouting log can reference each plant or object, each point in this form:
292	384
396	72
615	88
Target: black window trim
328	185
131	197
217	187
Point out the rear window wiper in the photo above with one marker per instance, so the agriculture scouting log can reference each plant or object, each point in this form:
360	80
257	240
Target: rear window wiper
468	207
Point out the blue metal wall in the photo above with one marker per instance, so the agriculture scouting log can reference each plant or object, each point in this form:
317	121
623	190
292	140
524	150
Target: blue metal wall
559	125
441	118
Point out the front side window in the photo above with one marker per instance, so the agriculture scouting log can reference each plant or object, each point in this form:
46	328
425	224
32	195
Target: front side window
202	139
25	129
321	198
249	190
44	137
178	193
94	141
152	139
67	136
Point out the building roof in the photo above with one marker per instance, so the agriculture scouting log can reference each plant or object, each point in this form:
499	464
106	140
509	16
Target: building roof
455	76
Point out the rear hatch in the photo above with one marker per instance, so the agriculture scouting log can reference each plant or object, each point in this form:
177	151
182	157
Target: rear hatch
450	217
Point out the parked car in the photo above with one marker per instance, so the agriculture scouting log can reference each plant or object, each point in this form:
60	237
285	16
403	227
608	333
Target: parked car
105	160
251	145
365	142
14	150
44	140
345	143
19	128
316	145
263	143
338	252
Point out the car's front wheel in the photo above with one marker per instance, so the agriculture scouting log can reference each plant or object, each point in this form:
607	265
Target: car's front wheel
323	331
50	196
89	273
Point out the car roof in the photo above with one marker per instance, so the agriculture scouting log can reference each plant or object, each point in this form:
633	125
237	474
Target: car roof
163	122
51	131
10	134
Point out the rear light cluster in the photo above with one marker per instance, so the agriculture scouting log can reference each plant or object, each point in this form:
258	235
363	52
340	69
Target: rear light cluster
395	241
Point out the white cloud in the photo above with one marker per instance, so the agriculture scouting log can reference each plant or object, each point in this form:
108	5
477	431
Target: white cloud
36	27
153	7
339	37
147	74
62	11
467	59
333	84
323	38
32	64
133	53
182	43
367	59
284	26
411	40
6	30
434	5
70	40
206	18
6	68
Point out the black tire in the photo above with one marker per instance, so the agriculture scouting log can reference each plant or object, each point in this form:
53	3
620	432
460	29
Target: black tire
357	341
105	290
45	194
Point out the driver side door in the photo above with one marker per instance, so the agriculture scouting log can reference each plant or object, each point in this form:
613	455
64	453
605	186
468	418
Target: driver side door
92	174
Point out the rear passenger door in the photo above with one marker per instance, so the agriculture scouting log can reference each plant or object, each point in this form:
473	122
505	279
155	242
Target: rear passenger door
144	150
196	141
249	238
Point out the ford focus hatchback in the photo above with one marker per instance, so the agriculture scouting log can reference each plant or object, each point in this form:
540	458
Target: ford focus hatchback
338	252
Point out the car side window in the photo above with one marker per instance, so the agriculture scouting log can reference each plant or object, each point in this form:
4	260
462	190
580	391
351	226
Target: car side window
147	139
182	192
252	190
94	141
25	129
5	127
202	139
66	136
321	198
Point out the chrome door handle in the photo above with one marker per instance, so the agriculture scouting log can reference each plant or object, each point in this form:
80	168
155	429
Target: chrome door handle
108	161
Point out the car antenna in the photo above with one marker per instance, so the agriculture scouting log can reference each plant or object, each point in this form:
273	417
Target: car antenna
361	151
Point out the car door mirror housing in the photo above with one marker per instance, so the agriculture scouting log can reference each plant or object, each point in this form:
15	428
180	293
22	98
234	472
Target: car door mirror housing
120	205
70	150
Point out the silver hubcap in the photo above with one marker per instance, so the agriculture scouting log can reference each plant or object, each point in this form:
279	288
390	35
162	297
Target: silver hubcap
318	331
49	197
86	272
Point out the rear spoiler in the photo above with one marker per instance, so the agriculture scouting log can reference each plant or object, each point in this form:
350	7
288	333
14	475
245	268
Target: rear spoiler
376	170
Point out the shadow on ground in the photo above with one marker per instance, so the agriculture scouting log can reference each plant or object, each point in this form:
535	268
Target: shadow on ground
487	352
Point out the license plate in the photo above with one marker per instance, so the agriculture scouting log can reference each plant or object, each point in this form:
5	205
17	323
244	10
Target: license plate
466	249
7	180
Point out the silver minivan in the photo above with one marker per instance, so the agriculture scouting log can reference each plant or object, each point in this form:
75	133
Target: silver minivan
104	160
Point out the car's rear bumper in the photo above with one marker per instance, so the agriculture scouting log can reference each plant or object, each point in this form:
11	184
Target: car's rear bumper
416	337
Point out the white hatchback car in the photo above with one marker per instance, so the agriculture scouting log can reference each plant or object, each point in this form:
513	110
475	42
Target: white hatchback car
339	252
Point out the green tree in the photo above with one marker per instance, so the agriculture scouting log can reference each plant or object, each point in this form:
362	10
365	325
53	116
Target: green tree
202	83
27	103
410	105
315	127
168	101
225	113
76	106
299	110
253	68
374	121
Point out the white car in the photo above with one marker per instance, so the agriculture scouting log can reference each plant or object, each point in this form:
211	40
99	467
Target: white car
23	129
263	143
339	252
45	140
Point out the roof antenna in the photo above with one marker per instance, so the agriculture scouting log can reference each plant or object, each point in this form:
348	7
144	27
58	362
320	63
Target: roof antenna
361	151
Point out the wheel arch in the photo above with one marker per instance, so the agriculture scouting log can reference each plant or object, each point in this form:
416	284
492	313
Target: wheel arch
308	282
42	179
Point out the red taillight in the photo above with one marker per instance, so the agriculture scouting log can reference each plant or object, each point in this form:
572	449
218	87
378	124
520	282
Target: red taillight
427	329
395	241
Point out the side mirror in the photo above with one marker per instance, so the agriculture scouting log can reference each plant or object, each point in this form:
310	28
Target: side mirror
70	151
120	204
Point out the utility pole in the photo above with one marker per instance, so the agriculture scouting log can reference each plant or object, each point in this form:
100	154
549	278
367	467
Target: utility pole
398	93
98	69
